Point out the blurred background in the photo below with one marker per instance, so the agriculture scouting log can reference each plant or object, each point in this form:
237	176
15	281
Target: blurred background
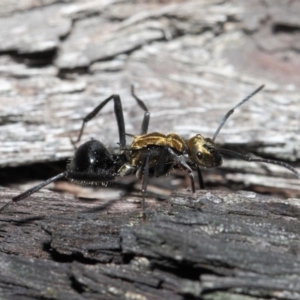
190	61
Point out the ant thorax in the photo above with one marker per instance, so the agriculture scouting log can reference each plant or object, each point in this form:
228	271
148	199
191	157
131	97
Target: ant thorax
155	145
172	140
203	152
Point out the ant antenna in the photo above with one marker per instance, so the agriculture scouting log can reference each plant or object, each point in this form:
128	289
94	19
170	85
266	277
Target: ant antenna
229	113
267	161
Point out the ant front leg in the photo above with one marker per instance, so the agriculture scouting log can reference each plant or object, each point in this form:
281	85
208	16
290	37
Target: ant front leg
200	179
119	116
182	162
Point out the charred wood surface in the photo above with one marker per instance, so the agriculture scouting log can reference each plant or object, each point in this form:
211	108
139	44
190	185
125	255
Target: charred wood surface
211	245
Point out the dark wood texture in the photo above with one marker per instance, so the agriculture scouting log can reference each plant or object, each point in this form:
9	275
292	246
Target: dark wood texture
211	245
190	61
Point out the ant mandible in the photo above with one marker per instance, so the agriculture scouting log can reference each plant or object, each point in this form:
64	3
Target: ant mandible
154	154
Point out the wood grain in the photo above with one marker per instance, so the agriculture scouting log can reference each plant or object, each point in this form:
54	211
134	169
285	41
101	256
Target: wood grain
190	61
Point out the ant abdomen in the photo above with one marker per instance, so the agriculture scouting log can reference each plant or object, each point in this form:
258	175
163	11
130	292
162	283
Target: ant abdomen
92	163
90	156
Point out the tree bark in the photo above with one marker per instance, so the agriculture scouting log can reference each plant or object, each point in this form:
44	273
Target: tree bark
208	245
191	62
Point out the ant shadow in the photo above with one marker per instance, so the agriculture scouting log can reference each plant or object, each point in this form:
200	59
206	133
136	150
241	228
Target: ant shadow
102	207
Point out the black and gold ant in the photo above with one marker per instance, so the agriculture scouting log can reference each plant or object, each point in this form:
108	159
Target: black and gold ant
150	154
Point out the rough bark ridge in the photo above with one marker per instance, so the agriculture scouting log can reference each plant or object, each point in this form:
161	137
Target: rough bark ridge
190	61
211	245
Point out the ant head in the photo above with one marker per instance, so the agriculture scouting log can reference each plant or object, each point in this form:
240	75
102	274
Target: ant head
203	152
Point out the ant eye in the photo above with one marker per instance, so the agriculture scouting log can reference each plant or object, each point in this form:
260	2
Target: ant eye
199	155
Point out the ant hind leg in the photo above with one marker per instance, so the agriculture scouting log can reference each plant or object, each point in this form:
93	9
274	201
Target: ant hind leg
119	116
33	190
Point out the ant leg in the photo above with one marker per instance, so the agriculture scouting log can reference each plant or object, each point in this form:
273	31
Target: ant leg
73	143
200	179
182	162
34	189
80	176
267	161
142	105
119	115
145	182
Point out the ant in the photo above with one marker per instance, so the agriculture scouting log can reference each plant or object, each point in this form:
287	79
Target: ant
150	154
